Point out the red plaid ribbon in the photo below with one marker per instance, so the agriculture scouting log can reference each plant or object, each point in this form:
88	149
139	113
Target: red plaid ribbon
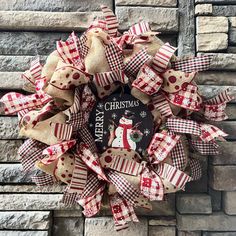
69	51
148	81
92	185
122	210
91	160
111	21
114	56
160	103
196	169
210	132
56	150
176	177
210	148
199	63
151	185
179	125
178	155
83	48
30	152
107	78
123	187
162	58
139	59
79	177
14	102
69	199
92	204
186	98
160	146
139	28
43	179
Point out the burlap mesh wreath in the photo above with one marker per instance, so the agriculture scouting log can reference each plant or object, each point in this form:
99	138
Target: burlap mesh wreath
84	70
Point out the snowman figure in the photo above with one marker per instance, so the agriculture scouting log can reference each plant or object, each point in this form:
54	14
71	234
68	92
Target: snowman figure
123	132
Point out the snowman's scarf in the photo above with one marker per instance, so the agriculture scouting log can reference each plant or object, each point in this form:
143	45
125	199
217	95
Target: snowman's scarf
124	136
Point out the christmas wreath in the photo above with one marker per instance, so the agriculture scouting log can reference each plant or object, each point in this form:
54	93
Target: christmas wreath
134	77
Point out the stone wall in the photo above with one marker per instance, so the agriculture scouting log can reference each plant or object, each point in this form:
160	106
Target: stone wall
31	27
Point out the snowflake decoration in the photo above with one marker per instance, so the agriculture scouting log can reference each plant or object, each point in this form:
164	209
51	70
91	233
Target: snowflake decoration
143	114
114	99
104	132
114	116
91	125
104	147
146	132
140	150
100	105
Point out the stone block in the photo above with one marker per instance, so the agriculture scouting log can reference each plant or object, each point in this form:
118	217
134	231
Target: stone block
229	204
9	128
217	221
216	1
232	22
212	42
165	20
216	197
68	226
203	9
17	63
8	150
219	10
210	24
163	221
104	226
231	49
186	38
216	78
11	80
33	202
232	36
53	5
161	230
222	178
46	21
219	234
222	61
66	214
162	3
23	188
24	233
229	127
228	149
189	233
39	220
194	204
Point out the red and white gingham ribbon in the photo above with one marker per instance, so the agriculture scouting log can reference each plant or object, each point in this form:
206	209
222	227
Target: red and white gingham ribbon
15	102
91	160
160	146
106	78
162	58
92	204
209	148
133	65
122	210
151	185
199	63
56	150
69	51
148	81
196	169
30	152
139	28
123	186
176	177
43	179
111	21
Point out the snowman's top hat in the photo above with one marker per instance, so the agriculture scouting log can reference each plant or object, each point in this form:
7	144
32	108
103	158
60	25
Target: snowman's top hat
128	114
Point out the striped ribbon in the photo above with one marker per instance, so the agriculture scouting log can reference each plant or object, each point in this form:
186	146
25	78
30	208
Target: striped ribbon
106	78
111	21
162	57
176	177
62	131
139	28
